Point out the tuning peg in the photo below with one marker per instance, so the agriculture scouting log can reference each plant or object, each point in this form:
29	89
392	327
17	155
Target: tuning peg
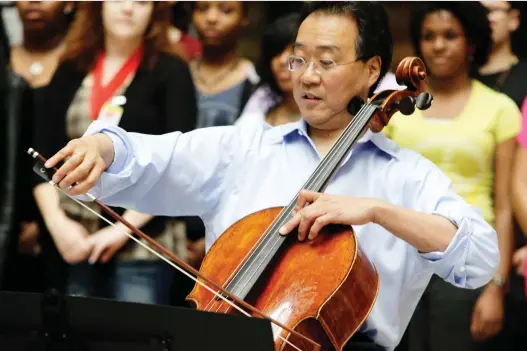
407	105
424	101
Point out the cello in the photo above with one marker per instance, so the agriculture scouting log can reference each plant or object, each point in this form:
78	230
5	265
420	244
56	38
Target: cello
318	293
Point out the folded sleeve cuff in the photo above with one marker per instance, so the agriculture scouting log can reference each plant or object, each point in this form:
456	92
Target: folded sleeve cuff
120	152
450	264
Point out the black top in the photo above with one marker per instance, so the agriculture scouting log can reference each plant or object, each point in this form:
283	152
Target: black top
511	83
158	101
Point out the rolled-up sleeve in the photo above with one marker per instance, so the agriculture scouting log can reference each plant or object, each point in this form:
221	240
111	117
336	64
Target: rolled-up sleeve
121	157
174	174
472	257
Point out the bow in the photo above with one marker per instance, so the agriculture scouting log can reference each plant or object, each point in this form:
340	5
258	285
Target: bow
163	253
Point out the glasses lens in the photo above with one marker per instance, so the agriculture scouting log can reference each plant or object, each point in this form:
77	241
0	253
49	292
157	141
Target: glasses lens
294	63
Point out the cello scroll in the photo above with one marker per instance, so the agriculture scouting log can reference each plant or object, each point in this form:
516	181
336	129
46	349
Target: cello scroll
411	73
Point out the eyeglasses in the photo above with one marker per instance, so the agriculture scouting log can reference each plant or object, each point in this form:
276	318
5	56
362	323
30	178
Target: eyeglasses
296	63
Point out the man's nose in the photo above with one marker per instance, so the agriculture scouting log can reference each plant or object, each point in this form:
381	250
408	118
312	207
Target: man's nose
310	74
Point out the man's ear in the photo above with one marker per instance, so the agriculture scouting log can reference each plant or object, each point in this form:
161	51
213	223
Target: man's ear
373	69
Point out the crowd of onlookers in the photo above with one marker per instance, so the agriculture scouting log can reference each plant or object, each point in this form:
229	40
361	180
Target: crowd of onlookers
158	67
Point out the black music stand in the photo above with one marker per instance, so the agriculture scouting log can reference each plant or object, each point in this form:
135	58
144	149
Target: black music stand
52	322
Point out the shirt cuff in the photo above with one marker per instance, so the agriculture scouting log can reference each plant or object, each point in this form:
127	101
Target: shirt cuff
120	152
450	264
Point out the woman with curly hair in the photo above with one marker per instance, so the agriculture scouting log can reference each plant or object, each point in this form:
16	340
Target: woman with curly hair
469	133
118	66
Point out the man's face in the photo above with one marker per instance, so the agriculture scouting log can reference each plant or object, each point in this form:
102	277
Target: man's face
322	89
503	20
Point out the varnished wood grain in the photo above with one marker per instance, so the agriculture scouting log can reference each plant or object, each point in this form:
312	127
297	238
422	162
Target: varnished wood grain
322	288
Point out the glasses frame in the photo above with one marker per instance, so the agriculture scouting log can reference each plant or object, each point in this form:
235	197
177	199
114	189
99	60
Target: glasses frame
318	69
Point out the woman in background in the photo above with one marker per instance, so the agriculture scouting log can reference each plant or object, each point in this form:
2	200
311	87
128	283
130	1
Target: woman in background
469	132
118	67
273	102
224	80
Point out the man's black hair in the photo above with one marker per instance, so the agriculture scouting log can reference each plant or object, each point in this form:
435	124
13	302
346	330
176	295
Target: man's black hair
374	34
473	18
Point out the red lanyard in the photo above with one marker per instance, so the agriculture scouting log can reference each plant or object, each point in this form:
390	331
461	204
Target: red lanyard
101	94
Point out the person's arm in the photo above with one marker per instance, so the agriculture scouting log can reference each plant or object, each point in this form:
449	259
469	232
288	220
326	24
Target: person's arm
502	204
173	174
471	257
107	241
451	239
426	232
487	317
68	235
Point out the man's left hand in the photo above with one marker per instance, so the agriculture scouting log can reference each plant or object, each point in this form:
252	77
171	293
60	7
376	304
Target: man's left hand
324	209
487	317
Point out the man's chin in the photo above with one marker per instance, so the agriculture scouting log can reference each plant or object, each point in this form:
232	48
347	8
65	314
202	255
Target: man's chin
316	120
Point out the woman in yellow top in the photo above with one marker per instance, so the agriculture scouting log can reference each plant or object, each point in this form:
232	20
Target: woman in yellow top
469	133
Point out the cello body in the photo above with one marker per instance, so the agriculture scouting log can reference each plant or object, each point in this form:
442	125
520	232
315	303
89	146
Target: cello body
322	288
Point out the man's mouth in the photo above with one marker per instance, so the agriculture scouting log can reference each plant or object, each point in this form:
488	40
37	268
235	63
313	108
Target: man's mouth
309	96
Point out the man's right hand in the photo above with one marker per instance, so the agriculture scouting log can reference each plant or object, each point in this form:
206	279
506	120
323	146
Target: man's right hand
88	157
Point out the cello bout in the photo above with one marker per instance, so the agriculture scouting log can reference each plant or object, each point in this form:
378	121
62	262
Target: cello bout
323	289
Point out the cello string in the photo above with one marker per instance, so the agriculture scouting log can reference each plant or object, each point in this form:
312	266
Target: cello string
169	262
362	118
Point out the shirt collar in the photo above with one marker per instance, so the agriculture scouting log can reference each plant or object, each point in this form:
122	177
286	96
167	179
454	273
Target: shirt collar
379	140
